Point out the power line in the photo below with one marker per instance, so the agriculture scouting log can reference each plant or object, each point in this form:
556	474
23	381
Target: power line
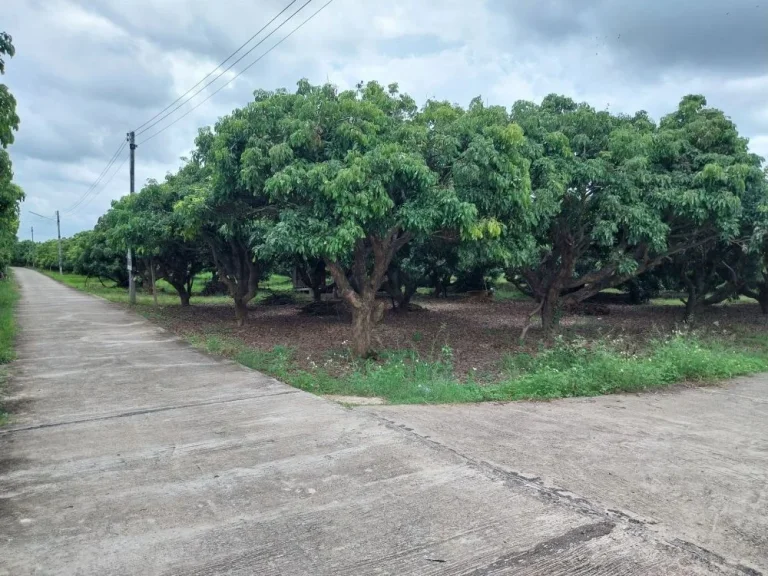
93	186
227	69
103	187
148	138
41	216
243	45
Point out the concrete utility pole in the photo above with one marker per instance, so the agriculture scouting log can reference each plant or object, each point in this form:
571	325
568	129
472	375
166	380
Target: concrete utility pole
58	231
131	282
32	229
34	248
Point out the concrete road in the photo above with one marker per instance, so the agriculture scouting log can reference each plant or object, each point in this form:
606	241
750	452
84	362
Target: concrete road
690	465
131	453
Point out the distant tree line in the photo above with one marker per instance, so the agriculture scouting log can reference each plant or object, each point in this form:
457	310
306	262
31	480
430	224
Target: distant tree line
10	194
381	194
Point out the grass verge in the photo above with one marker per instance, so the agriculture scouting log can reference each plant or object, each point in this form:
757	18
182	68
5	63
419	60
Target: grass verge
9	294
567	369
166	295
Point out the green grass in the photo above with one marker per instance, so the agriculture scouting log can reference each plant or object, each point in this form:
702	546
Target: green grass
569	368
9	294
503	290
507	291
166	293
565	370
678	302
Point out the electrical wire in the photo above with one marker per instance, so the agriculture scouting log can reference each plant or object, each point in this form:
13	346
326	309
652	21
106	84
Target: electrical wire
103	187
93	186
227	69
243	45
92	190
41	216
148	138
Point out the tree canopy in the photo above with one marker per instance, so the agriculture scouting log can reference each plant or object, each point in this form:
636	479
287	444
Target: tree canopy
10	194
615	196
148	224
367	186
353	182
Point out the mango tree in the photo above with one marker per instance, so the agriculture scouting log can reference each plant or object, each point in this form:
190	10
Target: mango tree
614	196
702	152
148	224
755	276
224	203
354	187
23	253
94	256
480	153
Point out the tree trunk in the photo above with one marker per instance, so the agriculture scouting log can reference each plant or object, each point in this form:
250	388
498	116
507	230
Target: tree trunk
408	292
393	286
690	311
312	275
182	291
241	311
549	303
561	273
365	309
549	310
762	298
690	307
362	328
152	276
360	292
691	304
440	284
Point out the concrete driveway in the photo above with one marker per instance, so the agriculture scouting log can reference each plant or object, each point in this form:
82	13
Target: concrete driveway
131	453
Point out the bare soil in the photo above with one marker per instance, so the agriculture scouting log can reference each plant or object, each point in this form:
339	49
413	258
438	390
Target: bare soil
478	333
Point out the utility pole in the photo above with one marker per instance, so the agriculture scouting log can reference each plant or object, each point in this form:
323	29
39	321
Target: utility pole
58	231
131	282
34	248
32	229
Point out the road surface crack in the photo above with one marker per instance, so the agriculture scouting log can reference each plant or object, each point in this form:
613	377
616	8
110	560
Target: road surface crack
140	412
545	549
575	502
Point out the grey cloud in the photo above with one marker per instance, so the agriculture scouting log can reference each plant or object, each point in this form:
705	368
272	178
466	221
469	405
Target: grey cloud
726	37
415	45
206	30
81	87
196	36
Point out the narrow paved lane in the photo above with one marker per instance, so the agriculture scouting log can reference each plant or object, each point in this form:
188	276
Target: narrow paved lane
131	453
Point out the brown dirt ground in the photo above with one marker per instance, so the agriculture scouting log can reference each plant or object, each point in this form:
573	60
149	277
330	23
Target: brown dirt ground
480	334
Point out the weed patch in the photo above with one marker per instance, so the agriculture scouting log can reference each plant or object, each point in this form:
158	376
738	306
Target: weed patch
567	369
167	296
9	294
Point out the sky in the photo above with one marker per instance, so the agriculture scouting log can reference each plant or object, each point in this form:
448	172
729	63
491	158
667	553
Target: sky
88	71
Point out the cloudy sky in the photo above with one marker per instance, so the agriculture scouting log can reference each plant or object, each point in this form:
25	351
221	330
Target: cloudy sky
88	71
